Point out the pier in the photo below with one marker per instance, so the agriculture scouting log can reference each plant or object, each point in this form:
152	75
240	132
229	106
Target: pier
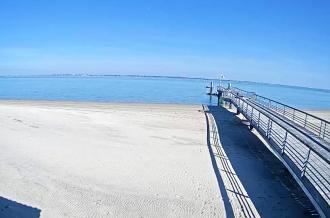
301	141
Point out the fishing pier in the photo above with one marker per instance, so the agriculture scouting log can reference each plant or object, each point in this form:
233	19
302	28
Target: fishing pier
300	140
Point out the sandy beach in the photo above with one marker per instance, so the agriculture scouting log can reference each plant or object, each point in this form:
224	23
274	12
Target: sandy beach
64	159
324	114
106	160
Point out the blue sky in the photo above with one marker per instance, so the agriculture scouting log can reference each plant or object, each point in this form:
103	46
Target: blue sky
286	42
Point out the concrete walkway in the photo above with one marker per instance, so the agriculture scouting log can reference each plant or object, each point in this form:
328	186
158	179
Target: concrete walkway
255	181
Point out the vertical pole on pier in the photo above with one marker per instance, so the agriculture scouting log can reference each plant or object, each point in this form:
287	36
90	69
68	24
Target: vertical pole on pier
305	122
293	114
210	91
238	105
284	143
324	129
237	110
320	133
305	164
211	88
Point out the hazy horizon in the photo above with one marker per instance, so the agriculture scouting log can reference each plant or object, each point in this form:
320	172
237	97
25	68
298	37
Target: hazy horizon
275	42
155	76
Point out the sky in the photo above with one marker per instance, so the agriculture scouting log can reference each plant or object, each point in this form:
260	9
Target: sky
282	41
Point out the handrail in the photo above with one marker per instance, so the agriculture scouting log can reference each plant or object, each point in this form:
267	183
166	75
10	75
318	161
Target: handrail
320	127
294	135
311	115
244	91
306	162
302	132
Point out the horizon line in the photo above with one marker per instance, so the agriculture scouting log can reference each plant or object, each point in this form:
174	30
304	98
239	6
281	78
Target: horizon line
152	76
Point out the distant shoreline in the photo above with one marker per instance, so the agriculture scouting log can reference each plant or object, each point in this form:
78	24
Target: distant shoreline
153	76
145	89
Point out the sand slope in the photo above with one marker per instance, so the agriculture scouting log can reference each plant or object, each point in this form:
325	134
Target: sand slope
106	160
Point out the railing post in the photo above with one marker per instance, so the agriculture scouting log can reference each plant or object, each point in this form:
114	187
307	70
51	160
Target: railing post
255	96
270	129
252	114
284	110
305	164
242	110
320	133
293	114
284	143
246	109
258	120
324	129
269	126
305	121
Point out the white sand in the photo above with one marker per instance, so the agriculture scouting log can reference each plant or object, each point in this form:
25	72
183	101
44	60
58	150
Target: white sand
106	160
324	114
62	159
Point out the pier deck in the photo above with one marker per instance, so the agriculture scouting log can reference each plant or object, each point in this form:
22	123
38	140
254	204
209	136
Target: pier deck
298	139
256	183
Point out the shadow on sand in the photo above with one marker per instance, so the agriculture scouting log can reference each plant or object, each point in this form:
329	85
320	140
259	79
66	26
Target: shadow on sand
253	176
11	209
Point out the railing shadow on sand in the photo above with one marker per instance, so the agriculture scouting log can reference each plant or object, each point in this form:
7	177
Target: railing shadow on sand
9	209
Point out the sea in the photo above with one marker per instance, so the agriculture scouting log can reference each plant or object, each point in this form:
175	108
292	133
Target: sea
141	89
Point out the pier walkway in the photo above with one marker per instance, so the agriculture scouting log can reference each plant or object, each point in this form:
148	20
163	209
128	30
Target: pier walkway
251	179
300	140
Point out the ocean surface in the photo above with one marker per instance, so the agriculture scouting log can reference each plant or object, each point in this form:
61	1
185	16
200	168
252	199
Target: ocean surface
147	90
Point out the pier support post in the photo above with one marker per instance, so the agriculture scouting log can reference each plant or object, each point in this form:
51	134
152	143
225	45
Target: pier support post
237	111
219	95
211	88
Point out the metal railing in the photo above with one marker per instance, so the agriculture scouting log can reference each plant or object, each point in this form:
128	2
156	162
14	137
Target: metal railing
308	162
316	125
242	92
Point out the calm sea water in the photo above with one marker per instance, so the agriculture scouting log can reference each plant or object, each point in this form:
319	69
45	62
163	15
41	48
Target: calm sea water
147	90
